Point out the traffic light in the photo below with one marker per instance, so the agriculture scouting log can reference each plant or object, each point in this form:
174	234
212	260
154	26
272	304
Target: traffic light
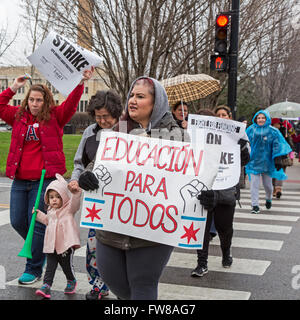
219	60
222	21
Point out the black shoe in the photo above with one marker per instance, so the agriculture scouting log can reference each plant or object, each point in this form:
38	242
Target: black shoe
278	194
268	204
92	295
96	294
227	261
255	209
199	271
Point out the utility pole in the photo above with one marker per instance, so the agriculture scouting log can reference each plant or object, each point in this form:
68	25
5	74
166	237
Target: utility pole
233	57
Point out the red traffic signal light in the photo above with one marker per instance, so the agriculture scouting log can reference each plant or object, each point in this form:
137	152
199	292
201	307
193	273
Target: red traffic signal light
222	22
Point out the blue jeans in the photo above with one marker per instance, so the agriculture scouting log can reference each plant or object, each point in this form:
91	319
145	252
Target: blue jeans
22	199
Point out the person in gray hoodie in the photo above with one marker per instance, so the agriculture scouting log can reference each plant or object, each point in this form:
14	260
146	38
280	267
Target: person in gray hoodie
106	108
131	267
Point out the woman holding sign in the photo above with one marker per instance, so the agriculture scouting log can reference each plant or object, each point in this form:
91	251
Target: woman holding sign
221	207
36	144
131	267
105	107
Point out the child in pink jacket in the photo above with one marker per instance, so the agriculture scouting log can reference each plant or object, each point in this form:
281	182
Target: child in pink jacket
62	233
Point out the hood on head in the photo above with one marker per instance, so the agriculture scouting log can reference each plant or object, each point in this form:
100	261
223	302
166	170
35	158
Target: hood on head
161	104
60	185
266	114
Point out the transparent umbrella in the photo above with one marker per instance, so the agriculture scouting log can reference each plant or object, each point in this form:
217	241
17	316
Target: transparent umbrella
286	109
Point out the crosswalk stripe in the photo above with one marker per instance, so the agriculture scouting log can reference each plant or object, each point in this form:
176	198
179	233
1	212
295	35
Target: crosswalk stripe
243	266
251	243
180	292
274	203
262	192
261	227
165	291
237	242
275	200
272	217
248	207
188	260
5	185
4	217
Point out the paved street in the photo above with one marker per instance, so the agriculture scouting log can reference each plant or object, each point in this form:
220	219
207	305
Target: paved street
265	249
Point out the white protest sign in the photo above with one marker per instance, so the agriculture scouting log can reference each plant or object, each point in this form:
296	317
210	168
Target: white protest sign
226	133
148	188
62	62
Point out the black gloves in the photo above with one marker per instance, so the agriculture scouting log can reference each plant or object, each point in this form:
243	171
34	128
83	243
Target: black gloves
245	156
88	181
207	199
278	163
242	142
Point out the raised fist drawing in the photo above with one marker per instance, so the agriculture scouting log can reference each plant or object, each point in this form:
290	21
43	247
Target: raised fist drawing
103	176
189	194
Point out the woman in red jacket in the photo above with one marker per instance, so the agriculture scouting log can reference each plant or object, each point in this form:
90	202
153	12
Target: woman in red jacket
36	144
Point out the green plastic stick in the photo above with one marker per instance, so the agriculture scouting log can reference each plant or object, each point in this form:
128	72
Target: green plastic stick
26	251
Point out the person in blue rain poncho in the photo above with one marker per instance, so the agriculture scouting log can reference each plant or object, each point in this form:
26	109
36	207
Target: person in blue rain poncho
267	148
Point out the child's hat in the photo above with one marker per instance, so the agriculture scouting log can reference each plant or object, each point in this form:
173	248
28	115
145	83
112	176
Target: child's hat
60	185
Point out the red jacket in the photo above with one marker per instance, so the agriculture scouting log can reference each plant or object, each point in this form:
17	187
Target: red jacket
50	133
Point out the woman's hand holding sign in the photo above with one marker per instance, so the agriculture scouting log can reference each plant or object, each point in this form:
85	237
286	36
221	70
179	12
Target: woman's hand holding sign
18	83
87	75
207	199
98	179
88	181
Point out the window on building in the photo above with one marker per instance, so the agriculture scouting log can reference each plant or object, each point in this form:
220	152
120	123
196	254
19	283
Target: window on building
4	84
82	106
16	102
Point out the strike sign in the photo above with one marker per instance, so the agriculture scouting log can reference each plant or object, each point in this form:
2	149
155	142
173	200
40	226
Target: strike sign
62	62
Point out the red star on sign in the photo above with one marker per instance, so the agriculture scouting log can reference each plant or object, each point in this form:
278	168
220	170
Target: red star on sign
190	233
93	213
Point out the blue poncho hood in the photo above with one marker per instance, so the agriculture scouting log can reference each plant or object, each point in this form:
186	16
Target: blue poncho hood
266	143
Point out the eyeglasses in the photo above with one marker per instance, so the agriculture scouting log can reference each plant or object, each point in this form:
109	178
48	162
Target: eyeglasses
105	117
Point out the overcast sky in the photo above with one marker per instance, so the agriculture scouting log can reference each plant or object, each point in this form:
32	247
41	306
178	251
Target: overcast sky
10	11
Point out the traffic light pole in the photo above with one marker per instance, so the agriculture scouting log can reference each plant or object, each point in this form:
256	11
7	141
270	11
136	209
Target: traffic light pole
233	57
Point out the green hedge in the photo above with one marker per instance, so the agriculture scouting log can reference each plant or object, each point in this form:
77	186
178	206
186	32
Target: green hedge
70	141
